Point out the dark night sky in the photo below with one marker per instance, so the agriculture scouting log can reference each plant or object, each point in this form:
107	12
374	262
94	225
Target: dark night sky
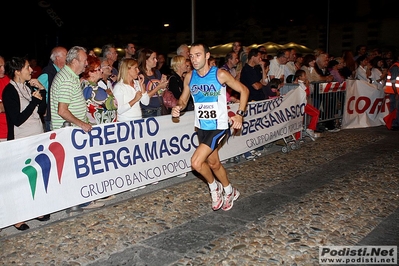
32	21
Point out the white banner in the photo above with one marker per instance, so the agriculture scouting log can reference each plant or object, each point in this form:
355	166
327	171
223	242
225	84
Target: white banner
365	105
66	167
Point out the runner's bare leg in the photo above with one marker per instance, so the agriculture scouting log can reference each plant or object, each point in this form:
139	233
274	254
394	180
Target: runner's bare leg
207	163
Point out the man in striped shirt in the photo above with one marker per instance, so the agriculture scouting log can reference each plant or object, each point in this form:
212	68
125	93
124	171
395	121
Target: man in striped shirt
66	97
68	103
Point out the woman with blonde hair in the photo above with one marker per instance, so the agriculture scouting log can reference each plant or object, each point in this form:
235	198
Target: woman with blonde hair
129	91
178	65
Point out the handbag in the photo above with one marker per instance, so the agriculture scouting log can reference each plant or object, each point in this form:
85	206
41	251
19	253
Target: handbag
168	99
164	110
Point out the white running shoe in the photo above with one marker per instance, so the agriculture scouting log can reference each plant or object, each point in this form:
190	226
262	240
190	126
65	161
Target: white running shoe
229	199
217	197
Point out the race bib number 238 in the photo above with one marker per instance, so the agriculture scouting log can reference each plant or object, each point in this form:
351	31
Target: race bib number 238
207	111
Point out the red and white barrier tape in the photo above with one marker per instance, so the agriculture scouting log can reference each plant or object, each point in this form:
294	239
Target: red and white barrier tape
332	87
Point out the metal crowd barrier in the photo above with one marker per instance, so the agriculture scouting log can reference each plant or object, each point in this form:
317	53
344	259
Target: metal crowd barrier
329	98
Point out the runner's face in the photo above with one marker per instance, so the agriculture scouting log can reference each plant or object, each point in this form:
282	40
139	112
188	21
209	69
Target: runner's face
198	57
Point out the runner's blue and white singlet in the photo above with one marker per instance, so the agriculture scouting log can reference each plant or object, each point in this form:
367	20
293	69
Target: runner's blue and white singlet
209	97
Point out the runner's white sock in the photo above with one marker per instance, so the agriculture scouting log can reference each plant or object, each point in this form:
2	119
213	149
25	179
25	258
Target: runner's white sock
228	190
213	186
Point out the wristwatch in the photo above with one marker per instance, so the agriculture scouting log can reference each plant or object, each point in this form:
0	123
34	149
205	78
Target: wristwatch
240	112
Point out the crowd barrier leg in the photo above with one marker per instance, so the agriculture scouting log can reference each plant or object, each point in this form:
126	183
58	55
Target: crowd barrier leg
329	99
306	121
304	133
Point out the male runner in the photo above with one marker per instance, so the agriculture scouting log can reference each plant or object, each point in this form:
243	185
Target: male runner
207	86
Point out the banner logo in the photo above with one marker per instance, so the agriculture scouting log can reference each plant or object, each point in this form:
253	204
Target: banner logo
44	161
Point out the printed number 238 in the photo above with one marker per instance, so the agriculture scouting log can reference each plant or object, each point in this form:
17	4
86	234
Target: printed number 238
207	114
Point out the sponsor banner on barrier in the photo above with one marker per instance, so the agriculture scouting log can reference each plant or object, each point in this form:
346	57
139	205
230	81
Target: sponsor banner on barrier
63	168
365	105
364	255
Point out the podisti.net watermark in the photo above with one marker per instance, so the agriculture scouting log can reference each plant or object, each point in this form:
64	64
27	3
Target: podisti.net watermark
358	255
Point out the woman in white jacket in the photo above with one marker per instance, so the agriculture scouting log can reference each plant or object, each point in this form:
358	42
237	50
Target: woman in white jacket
129	91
